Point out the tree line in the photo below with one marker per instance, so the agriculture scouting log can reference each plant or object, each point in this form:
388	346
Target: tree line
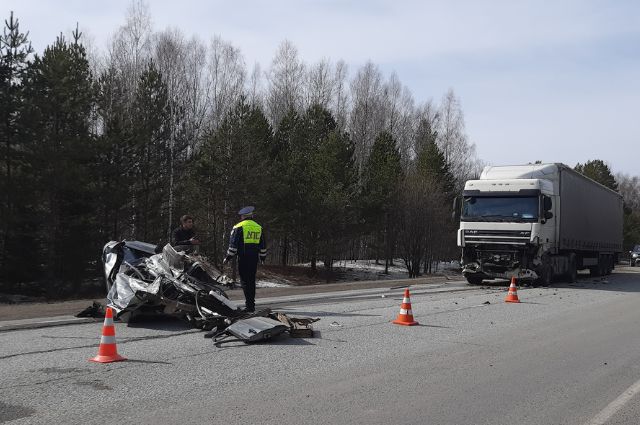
118	145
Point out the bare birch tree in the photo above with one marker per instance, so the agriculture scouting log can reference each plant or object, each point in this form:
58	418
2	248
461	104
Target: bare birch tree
131	46
629	188
399	114
254	87
227	75
170	52
367	113
420	212
427	114
197	92
340	103
459	154
319	85
286	79
127	59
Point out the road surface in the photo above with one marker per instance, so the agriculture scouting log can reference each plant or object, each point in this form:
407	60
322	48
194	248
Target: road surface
568	354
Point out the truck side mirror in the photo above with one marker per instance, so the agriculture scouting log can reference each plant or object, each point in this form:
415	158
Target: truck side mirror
548	215
547	204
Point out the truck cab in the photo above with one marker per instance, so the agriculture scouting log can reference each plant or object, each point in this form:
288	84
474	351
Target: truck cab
537	221
503	225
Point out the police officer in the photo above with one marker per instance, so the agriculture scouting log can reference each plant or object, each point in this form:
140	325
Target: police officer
247	242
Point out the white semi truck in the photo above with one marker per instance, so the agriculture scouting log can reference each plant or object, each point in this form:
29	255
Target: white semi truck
536	222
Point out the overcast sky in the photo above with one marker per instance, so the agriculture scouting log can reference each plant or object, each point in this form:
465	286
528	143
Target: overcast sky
551	81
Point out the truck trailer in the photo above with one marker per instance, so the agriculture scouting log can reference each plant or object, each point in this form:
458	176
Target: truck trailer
536	222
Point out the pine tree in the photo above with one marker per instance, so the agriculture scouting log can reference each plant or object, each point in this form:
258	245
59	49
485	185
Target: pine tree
282	186
113	161
333	184
232	170
599	171
15	51
60	149
151	155
431	162
381	176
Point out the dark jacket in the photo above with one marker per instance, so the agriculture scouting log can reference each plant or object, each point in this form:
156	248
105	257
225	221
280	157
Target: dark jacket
182	236
247	242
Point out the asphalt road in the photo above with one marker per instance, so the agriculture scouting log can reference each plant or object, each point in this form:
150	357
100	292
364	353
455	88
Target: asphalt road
568	354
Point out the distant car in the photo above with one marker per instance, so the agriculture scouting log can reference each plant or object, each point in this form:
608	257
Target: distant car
635	256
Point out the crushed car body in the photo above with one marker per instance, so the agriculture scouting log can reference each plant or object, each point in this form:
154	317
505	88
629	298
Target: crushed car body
172	282
141	280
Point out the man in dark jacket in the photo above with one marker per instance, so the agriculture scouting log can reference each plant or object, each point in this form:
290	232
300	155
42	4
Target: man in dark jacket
185	235
247	242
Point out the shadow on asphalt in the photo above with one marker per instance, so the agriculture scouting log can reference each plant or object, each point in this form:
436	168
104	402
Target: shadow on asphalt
326	313
230	343
433	326
287	340
129	360
159	323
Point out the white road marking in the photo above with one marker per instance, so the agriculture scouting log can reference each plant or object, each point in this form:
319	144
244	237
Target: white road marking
617	404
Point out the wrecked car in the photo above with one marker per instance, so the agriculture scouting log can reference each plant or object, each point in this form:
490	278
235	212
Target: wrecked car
172	282
141	280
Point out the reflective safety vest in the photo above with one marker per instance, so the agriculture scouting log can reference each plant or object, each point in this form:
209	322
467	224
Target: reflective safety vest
251	231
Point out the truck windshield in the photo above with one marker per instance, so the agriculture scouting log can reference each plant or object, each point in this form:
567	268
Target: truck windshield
500	208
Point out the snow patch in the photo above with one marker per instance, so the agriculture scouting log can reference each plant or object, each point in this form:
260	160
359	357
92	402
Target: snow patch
269	284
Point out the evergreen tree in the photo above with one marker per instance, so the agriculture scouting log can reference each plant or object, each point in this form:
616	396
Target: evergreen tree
150	155
60	149
232	170
431	162
333	187
283	185
114	159
381	176
313	185
599	171
15	51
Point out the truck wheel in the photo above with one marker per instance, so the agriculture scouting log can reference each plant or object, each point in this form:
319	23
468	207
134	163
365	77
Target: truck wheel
474	280
545	277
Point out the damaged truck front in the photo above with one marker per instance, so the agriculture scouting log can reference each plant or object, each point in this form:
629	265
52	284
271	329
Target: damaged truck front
536	222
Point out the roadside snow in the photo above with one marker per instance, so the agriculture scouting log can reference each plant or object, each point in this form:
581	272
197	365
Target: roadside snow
369	270
359	270
268	284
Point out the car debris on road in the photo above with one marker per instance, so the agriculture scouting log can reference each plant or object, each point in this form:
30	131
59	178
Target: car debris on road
185	286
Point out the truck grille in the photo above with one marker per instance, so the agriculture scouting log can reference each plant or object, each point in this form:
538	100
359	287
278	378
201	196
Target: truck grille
511	237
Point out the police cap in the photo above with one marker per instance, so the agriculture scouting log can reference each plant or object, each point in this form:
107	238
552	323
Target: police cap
246	210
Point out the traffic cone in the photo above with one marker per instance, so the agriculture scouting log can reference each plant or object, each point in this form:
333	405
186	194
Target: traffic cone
512	295
405	317
108	352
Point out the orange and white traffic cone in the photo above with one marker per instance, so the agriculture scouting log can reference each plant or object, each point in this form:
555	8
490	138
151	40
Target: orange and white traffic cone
405	317
108	352
512	295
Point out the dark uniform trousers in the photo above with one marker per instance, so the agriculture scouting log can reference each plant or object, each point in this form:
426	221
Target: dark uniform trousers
247	268
247	242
